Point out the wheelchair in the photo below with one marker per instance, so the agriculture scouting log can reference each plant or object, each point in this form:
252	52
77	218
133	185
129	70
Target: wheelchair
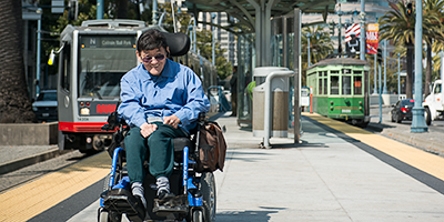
195	199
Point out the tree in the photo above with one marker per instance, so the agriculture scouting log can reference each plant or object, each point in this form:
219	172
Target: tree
398	25
434	7
321	45
15	104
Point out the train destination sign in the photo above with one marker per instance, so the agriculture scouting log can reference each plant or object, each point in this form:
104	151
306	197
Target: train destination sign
108	41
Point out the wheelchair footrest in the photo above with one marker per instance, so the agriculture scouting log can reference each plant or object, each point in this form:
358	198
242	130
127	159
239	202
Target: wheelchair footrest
122	201
176	205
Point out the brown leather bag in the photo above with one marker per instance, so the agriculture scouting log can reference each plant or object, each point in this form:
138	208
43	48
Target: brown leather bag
212	148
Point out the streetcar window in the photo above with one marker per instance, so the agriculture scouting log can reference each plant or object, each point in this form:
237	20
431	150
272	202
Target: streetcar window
346	71
334	82
334	72
65	69
103	62
357	85
346	85
325	86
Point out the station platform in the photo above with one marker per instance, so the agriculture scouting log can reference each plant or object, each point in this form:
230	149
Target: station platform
337	173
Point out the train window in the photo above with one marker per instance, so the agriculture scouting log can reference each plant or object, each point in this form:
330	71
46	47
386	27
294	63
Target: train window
357	85
346	85
320	87
334	82
346	71
334	71
66	67
325	86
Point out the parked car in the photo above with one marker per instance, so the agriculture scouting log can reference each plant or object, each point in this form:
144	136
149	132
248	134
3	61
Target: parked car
45	106
402	110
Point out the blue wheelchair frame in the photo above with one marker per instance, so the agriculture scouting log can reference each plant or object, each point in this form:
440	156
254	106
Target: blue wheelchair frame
188	184
194	200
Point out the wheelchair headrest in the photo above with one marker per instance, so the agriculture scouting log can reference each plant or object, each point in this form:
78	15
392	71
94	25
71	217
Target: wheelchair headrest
179	43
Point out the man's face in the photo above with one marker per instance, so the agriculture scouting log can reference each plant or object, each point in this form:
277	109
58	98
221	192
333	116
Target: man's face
153	60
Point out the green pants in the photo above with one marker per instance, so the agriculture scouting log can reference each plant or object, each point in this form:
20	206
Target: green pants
158	147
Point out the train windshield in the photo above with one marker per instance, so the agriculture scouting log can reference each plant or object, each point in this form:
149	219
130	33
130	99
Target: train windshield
103	62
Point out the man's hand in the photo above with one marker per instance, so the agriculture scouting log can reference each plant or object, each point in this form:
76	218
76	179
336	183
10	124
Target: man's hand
146	129
172	121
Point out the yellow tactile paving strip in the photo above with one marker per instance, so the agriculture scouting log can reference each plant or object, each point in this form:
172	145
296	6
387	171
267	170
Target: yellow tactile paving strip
427	162
31	199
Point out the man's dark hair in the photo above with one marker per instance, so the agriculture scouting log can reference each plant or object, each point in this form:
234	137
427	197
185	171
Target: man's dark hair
151	39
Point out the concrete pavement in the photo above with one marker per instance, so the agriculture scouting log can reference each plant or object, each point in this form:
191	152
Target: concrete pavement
328	177
335	174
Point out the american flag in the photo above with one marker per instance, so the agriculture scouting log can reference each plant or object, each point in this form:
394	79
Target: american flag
355	28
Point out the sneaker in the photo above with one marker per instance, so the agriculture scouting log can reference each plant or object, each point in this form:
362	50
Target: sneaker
141	201
140	206
138	192
163	189
165	196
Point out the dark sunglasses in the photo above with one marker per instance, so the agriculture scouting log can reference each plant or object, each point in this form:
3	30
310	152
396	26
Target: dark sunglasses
148	59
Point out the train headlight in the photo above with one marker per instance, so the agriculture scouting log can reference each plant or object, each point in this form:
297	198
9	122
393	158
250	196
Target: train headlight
360	108
331	107
360	103
84	111
331	102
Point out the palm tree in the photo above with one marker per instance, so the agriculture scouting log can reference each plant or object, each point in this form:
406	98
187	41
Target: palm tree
398	26
15	104
435	8
321	46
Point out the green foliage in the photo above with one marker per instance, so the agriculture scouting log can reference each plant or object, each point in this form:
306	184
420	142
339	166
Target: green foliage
398	26
321	45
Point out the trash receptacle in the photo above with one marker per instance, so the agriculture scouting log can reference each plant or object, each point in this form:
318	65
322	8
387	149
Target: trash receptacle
279	102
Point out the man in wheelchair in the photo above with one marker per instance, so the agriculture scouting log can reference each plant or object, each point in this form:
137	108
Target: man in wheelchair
160	100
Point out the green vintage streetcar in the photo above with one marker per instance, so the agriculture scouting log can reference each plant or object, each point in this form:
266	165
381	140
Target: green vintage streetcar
341	89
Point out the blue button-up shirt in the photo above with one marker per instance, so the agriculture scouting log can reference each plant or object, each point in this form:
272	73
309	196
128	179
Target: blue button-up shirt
178	91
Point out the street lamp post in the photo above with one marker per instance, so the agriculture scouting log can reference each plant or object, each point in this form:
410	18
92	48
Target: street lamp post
399	75
362	35
340	30
375	75
99	12
308	50
418	121
213	53
384	91
39	43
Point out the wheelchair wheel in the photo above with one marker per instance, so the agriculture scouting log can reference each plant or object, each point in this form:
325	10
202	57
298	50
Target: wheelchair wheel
208	190
105	216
